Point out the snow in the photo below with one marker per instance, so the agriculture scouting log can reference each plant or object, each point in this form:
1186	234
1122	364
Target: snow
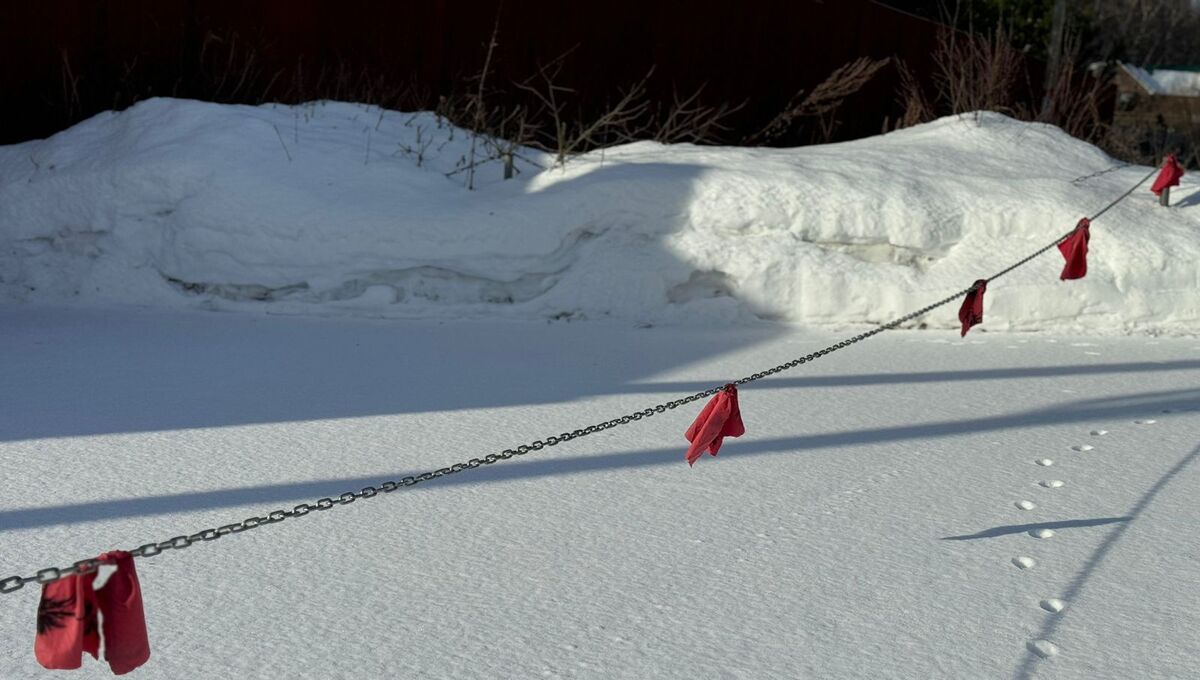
867	525
1179	83
324	209
1166	81
1012	505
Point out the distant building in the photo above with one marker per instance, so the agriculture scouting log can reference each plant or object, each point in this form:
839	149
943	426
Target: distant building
1159	108
1144	95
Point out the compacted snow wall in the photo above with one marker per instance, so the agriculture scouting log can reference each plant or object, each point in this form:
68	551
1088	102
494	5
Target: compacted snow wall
336	208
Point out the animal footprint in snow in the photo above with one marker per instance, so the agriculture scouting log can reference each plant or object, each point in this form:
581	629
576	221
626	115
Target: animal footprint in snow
1023	562
1082	447
1042	533
1052	483
1025	505
1147	421
1099	433
1044	462
1053	605
1043	648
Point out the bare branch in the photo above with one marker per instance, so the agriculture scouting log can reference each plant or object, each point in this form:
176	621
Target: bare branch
689	120
824	99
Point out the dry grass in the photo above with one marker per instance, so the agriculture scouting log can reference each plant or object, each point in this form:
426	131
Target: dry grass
822	103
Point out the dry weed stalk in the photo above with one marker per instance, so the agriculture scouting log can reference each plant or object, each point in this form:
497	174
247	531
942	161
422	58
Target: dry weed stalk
917	107
688	120
622	122
978	73
550	98
823	101
476	105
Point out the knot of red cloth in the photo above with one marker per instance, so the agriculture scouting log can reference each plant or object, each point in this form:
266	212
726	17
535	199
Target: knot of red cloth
1168	176
971	312
720	418
66	621
1075	248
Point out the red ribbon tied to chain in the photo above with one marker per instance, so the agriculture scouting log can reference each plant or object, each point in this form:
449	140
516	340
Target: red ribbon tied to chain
720	418
1168	176
1075	248
66	622
971	312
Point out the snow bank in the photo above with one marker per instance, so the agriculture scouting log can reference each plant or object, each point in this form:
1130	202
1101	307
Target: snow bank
334	208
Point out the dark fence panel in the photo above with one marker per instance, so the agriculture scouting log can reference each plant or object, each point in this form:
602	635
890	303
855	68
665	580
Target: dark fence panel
64	60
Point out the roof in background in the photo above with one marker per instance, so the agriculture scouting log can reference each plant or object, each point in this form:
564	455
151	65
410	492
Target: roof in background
1169	82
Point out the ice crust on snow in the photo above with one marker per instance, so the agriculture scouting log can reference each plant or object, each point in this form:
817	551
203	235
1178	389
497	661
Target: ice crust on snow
337	208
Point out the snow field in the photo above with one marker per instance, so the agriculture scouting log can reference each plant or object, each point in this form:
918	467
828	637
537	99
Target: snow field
919	505
815	546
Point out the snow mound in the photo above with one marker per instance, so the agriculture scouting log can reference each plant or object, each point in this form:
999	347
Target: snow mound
337	208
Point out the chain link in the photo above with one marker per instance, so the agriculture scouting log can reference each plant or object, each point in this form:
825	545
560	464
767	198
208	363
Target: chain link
15	583
1123	196
1100	173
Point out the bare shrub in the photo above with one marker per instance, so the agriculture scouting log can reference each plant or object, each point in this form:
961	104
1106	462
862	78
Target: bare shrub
688	119
476	106
70	87
620	121
917	107
543	87
1072	99
823	102
978	73
232	71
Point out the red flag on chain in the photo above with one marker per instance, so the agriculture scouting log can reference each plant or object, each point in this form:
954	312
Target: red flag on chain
720	418
126	643
66	623
971	312
1169	176
1075	249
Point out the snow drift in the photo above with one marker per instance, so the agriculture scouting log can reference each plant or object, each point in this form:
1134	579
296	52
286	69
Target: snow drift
348	209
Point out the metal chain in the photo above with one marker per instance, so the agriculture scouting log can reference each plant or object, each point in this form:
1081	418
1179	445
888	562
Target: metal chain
1123	196
50	575
1100	173
44	576
1067	235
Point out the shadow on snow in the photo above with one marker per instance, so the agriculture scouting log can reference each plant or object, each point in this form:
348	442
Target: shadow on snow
521	470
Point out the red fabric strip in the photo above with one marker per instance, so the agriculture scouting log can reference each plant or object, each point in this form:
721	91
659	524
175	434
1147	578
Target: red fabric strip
971	312
66	623
721	417
126	643
1075	249
1168	176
